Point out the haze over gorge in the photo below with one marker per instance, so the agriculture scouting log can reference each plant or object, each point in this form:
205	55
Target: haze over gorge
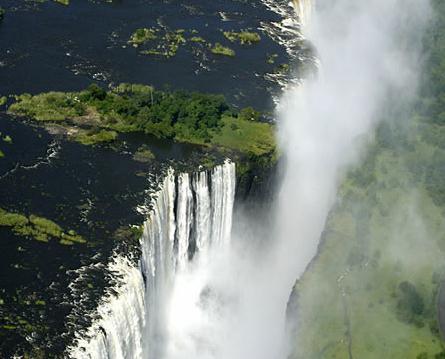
222	180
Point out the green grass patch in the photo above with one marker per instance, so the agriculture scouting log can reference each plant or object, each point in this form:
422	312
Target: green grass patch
243	37
245	136
94	137
162	43
219	49
198	39
271	59
39	228
141	36
143	154
50	106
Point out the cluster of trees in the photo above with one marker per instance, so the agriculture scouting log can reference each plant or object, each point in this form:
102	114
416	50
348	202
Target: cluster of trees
410	304
431	105
428	115
190	117
164	114
432	102
424	158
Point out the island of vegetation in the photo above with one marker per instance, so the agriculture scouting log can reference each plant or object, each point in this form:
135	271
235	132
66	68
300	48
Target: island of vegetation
144	154
243	37
4	140
143	35
219	49
164	42
372	291
95	116
38	228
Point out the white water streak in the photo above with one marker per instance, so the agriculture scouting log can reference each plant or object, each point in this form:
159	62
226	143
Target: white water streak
117	332
133	318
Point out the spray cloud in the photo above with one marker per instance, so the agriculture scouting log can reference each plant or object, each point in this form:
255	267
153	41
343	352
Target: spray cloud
231	303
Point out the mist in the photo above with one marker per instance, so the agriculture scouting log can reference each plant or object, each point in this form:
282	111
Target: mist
231	301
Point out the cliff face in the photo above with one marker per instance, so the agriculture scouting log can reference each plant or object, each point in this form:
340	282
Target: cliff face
371	291
257	179
256	185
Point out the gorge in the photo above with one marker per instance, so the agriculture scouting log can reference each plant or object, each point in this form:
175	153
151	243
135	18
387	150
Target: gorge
202	235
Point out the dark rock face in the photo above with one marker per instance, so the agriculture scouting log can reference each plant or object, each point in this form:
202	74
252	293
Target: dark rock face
256	188
258	184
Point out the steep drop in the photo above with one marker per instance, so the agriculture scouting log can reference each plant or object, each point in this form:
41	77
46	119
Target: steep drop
191	213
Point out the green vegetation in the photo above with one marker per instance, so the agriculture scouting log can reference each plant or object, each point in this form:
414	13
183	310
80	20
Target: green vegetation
249	114
271	59
39	228
63	2
94	137
197	118
51	106
372	290
143	154
282	69
198	39
141	36
410	305
245	136
129	234
21	322
3	99
166	45
2	13
219	49
5	139
243	37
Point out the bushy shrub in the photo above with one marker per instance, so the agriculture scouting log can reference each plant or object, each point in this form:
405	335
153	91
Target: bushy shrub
410	303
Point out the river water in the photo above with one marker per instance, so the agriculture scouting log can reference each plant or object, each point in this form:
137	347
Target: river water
49	292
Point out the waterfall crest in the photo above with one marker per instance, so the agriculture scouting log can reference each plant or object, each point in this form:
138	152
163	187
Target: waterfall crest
303	9
191	212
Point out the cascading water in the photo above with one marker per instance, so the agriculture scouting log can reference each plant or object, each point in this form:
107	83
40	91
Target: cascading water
117	331
232	305
303	9
204	299
192	212
201	218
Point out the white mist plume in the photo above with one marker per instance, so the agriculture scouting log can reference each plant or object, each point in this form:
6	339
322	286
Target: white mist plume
365	56
231	304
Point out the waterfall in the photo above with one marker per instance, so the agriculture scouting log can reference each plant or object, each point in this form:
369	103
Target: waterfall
303	9
121	318
191	212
